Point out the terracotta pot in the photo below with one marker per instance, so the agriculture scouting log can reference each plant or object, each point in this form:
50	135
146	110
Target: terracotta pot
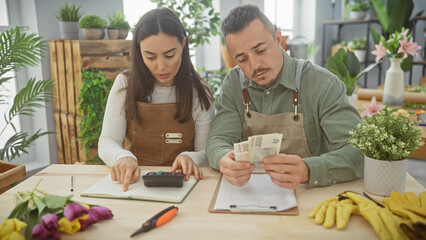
113	34
122	34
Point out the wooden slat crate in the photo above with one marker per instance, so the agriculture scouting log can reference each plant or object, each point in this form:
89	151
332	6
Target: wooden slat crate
67	59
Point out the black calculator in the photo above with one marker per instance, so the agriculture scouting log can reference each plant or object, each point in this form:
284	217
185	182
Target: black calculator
163	179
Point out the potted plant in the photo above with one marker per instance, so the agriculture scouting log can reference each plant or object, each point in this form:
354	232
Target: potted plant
19	50
113	26
358	10
93	27
386	138
345	65
68	16
117	21
92	101
358	46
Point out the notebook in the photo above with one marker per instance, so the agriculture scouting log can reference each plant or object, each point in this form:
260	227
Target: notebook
260	195
106	188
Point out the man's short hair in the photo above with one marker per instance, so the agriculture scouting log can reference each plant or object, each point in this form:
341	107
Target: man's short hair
241	16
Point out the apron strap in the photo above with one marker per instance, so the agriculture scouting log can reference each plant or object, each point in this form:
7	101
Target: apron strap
246	96
297	79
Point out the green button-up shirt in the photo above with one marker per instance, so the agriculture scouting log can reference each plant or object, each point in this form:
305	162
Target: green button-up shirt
328	117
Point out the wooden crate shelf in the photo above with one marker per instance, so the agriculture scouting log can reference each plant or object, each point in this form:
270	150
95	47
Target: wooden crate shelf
67	60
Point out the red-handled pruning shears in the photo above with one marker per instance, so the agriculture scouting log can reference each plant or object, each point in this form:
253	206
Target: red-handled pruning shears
157	220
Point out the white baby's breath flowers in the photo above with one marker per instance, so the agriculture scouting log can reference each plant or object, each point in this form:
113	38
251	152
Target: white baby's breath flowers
386	136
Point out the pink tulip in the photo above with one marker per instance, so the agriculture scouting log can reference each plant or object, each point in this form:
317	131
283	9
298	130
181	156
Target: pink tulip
74	210
408	47
47	229
95	215
380	51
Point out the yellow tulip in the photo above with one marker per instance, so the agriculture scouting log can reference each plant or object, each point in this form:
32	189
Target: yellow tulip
68	226
11	228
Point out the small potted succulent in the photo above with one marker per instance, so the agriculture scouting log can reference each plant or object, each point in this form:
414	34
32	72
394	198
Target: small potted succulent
68	16
358	10
358	46
386	137
93	27
117	21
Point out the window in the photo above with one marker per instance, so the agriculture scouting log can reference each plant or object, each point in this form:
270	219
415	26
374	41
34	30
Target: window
4	15
281	13
134	9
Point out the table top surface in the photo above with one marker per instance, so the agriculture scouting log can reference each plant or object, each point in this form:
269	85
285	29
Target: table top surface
193	219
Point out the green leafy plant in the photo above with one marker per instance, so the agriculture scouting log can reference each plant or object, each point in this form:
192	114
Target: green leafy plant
117	21
392	17
358	44
359	6
17	51
91	21
387	135
346	66
92	102
198	26
214	80
69	13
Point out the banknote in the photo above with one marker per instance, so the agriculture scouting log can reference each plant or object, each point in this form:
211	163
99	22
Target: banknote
258	147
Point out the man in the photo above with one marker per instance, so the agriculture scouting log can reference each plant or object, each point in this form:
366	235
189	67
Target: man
310	109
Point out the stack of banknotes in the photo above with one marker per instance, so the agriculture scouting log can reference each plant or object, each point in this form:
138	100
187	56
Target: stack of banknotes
258	147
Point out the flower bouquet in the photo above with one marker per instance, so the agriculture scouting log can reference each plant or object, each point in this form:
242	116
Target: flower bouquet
45	216
399	45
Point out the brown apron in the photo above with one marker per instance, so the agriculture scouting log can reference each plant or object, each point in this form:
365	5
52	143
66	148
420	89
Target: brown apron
160	138
289	124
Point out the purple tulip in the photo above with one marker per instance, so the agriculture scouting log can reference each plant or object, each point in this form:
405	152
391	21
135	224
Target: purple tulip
95	215
74	210
47	229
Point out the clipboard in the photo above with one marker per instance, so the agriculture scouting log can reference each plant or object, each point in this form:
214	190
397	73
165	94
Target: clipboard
246	209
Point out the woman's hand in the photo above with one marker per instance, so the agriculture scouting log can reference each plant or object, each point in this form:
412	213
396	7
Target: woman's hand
126	170
188	167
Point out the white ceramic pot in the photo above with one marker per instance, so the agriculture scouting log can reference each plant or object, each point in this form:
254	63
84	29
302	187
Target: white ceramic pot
355	15
93	33
352	99
360	54
382	177
68	30
393	92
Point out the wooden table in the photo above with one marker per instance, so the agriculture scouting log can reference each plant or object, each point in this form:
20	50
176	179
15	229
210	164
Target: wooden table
419	153
193	220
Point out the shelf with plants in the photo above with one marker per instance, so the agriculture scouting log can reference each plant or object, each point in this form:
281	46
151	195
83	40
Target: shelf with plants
68	58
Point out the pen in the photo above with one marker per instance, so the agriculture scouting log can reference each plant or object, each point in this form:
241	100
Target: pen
157	220
72	183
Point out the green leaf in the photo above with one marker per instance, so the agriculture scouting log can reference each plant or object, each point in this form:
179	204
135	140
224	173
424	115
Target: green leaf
354	66
20	209
375	35
382	14
55	201
40	205
407	63
31	219
399	14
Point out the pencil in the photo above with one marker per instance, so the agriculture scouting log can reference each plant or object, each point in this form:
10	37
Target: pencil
72	183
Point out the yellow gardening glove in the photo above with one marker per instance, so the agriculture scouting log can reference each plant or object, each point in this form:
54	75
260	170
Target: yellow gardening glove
337	210
412	208
385	224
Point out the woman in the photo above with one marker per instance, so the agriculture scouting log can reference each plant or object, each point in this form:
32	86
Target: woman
159	112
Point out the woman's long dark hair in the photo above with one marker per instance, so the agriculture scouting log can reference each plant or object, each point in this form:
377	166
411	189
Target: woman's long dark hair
140	84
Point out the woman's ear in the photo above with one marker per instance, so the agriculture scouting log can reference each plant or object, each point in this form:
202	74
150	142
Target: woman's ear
183	43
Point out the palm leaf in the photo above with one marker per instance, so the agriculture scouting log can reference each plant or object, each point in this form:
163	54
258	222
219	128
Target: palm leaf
19	49
18	144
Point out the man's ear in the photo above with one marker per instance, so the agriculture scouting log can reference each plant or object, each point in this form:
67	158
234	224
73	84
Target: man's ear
278	37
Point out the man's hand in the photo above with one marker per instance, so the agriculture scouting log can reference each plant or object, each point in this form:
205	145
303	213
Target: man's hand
237	173
188	167
126	170
287	171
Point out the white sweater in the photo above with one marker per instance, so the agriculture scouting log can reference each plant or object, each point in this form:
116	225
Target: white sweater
110	148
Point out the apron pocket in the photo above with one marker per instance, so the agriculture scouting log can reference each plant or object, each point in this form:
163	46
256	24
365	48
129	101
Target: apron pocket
149	146
312	135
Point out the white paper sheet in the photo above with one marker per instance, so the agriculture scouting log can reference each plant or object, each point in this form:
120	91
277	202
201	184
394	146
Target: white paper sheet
259	194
